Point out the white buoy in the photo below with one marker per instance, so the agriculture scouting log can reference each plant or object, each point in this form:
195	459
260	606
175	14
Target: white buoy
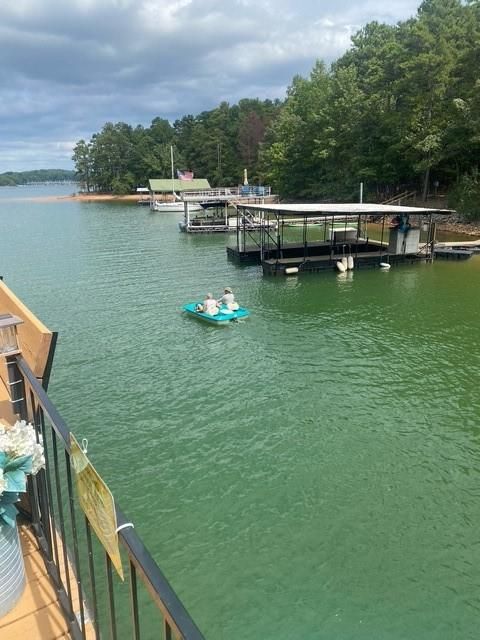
341	267
345	262
291	270
385	265
350	262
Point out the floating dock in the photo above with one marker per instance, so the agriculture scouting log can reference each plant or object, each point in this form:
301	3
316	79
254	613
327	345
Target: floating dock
345	236
463	245
449	253
320	257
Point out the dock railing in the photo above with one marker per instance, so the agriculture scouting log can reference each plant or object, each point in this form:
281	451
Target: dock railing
227	193
95	604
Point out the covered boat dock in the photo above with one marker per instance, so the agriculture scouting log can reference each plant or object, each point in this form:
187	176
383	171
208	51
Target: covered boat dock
219	208
315	237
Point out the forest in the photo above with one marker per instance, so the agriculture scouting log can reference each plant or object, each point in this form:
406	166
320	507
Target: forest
14	178
400	110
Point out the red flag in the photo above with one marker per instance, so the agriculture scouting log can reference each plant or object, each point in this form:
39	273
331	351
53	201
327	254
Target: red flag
184	175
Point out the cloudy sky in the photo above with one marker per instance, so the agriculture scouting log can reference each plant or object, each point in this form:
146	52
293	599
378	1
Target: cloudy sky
69	66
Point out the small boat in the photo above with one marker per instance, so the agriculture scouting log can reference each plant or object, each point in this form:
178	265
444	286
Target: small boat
175	207
223	316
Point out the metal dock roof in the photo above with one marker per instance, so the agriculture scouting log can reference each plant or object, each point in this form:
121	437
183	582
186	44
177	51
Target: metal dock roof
330	209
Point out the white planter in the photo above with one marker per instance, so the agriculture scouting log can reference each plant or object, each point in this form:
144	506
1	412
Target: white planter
12	570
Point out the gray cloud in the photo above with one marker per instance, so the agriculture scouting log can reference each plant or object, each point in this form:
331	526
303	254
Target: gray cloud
67	68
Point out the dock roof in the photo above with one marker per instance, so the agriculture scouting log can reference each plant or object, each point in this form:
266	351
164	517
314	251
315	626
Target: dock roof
329	209
164	185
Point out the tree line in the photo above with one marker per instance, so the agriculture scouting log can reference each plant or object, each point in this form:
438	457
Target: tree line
216	145
399	110
16	178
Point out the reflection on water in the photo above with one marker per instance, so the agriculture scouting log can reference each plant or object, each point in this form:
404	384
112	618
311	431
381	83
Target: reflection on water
309	473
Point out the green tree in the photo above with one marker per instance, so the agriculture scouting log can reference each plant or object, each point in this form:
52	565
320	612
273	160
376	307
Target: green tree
82	160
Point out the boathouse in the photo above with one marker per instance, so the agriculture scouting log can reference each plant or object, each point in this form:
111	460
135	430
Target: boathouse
163	189
315	237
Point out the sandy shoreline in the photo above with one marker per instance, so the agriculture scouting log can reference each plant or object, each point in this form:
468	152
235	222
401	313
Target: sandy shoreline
471	229
88	197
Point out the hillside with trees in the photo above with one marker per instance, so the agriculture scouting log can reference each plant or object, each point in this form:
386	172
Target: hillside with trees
216	145
399	110
13	179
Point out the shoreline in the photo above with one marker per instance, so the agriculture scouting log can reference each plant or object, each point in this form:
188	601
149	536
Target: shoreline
467	228
88	197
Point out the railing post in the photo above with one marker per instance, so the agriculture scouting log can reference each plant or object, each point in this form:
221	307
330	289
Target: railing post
17	387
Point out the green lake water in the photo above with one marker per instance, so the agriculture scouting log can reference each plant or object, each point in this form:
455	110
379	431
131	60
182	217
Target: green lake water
311	473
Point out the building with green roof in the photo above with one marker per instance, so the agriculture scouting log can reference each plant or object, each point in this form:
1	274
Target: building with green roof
168	185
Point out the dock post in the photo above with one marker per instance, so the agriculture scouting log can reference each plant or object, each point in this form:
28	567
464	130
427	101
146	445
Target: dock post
433	226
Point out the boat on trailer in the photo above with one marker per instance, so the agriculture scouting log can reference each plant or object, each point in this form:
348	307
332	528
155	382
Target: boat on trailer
224	315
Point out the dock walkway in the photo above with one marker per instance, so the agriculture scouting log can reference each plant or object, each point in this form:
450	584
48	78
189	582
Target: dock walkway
473	244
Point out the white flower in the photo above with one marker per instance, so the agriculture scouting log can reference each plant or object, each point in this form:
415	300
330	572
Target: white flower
21	440
38	461
3	482
3	438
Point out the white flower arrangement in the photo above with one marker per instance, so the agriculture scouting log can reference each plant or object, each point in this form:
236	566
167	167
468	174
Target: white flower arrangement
20	455
3	482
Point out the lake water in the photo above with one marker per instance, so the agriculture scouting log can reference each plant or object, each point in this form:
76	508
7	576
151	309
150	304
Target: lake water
311	473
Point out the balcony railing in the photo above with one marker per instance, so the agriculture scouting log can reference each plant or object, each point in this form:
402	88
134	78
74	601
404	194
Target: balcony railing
95	603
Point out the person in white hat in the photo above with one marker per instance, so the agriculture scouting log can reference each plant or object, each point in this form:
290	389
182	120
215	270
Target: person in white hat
228	299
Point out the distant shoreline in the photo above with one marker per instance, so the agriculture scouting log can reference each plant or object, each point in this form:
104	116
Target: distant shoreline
471	229
88	197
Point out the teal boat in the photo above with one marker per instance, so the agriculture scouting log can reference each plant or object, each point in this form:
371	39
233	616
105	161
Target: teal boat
223	316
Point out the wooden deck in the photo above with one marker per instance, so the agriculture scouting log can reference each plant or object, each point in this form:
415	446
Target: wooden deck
38	614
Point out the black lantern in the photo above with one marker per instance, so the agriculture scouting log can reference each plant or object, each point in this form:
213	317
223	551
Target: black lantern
8	334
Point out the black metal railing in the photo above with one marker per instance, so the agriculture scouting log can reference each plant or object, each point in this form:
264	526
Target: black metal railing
95	604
